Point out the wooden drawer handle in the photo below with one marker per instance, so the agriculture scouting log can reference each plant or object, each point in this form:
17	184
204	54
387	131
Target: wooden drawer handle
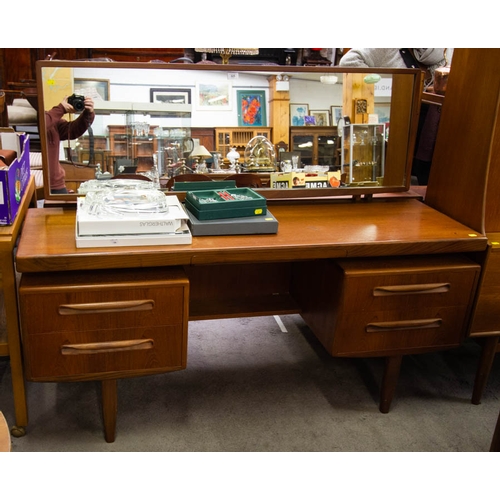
411	289
403	325
106	307
101	347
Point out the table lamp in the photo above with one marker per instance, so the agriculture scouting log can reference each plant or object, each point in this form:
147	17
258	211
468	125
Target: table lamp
199	153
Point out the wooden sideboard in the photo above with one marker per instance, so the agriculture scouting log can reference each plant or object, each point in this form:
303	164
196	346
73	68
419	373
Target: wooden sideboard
465	179
10	344
237	137
399	247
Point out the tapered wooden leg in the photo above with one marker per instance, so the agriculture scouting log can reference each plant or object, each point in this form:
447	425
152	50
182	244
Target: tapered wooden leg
8	281
484	368
389	382
109	408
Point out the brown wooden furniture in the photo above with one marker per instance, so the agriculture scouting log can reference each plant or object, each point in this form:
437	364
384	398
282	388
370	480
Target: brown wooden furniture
205	136
324	145
5	443
76	174
238	137
10	344
104	326
362	306
246	180
186	178
464	180
495	442
123	144
431	252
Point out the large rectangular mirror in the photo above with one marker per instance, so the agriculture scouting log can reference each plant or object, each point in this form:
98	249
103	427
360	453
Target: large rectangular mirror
155	115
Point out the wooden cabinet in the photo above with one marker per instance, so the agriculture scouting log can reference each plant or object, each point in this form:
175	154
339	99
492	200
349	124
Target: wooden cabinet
316	145
385	306
101	152
237	137
124	143
205	136
104	326
465	179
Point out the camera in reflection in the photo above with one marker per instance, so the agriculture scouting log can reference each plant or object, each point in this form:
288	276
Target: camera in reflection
77	101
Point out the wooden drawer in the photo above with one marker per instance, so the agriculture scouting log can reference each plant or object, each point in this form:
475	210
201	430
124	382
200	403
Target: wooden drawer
404	284
98	324
99	354
389	331
384	306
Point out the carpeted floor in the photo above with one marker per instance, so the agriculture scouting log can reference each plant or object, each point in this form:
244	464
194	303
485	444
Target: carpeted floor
254	384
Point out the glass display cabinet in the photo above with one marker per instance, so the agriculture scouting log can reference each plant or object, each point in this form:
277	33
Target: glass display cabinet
317	146
363	153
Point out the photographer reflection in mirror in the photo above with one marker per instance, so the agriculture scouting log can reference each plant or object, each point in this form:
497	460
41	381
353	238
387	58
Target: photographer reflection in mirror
59	129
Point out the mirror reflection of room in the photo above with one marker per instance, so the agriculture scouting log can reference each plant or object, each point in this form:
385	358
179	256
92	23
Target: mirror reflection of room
329	124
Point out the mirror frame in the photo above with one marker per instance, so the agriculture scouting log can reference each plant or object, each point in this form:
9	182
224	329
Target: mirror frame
405	106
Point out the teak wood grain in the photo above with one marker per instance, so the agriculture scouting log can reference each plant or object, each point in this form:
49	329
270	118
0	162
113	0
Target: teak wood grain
313	231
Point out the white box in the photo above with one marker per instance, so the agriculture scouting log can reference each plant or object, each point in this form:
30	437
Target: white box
131	240
131	224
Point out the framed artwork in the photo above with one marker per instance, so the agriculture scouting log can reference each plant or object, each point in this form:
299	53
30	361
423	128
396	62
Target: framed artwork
383	110
215	96
336	112
298	112
251	108
92	87
322	117
170	95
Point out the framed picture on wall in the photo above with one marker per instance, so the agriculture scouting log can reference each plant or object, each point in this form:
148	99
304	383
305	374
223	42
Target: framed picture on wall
336	112
251	108
383	111
96	88
298	112
322	117
170	95
214	96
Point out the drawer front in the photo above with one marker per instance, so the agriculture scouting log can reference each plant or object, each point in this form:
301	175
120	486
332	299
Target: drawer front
386	332
405	291
97	353
78	310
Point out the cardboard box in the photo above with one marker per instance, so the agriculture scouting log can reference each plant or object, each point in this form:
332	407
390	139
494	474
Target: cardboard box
15	178
289	180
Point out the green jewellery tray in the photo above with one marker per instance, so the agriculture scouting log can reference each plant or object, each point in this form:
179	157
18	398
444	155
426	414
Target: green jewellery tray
225	203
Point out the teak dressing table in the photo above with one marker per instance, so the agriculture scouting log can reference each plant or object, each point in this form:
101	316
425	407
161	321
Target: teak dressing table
371	277
424	284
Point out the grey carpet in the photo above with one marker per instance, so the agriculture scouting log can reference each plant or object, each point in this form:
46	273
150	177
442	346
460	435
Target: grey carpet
250	386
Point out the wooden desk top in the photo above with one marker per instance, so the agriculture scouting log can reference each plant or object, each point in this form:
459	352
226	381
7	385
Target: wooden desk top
314	231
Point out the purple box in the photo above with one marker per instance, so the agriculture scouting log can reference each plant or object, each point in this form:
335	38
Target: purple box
13	182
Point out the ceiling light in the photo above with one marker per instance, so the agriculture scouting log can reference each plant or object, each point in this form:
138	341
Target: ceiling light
329	79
